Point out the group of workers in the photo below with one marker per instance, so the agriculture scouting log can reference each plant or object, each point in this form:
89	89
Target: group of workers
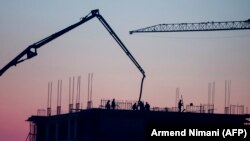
108	106
140	106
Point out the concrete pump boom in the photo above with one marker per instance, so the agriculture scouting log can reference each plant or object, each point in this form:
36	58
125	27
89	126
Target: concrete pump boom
31	51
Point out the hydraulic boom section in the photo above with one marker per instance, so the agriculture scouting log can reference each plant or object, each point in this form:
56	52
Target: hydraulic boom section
31	51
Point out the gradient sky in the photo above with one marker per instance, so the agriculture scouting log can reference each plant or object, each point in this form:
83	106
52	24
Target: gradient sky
185	60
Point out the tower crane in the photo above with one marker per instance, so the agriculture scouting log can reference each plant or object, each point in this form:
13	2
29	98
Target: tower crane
202	26
31	51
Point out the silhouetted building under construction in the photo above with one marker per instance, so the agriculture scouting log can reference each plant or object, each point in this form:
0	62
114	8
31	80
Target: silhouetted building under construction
99	124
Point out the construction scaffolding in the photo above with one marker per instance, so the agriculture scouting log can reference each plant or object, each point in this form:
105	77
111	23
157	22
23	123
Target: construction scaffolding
203	108
32	133
235	109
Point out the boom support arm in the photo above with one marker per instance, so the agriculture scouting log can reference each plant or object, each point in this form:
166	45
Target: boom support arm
31	50
112	33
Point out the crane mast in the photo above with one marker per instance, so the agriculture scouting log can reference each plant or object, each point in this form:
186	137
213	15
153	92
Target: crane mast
31	51
202	26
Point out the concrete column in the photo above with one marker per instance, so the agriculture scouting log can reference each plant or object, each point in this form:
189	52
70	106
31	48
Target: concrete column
69	127
56	131
75	129
47	132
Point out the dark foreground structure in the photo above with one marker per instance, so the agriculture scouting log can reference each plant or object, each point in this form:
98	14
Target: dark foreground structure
122	125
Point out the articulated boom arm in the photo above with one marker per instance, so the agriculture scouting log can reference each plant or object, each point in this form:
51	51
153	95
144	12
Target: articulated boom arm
203	26
31	51
112	33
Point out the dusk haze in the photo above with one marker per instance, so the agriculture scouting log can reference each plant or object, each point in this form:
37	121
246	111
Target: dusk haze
190	62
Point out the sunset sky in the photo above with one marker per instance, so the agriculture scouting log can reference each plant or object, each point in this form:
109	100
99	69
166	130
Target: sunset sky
188	60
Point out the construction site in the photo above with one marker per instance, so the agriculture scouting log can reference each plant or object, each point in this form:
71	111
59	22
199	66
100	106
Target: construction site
125	119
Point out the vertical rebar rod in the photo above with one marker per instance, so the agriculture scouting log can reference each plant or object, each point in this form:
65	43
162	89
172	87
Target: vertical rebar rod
69	94
50	94
88	85
57	104
225	93
209	93
91	88
60	102
213	93
229	91
79	88
73	87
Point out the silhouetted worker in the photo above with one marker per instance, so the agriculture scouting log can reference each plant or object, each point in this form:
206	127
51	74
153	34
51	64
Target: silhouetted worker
134	107
113	104
180	104
107	106
147	107
141	105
